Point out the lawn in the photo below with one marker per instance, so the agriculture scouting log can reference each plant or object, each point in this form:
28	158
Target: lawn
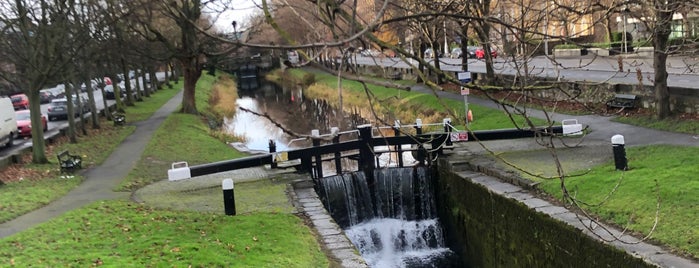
661	179
126	234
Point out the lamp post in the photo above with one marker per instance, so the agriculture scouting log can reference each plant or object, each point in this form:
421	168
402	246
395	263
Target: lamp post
623	34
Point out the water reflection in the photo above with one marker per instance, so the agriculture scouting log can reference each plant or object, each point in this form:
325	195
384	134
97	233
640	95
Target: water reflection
287	109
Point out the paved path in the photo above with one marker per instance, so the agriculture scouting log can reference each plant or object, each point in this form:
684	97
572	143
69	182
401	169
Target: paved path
602	127
100	180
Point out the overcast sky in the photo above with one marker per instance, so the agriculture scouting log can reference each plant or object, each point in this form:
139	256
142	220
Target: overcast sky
238	10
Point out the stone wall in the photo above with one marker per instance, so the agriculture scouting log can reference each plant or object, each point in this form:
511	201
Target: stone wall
488	228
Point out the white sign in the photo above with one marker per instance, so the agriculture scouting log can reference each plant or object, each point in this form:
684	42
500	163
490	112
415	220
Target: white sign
465	91
464	77
459	136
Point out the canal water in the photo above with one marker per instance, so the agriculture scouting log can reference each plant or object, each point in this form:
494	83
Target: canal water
386	239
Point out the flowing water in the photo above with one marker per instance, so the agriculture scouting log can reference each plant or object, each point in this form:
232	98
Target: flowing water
393	222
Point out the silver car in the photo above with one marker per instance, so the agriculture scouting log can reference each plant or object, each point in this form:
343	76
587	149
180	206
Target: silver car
58	108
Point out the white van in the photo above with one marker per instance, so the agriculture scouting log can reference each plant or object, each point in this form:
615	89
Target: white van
8	122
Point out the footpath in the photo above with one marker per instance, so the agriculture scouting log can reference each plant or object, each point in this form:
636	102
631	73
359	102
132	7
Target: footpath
101	180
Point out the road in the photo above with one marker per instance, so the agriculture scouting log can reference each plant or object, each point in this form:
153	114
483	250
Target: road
683	71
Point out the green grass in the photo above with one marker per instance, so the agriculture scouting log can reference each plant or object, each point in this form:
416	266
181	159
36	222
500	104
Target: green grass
124	234
182	137
657	173
143	110
669	124
18	198
408	105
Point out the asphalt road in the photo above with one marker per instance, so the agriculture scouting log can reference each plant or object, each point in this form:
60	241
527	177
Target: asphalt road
683	71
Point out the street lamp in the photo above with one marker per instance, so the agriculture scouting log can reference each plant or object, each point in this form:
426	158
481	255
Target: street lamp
623	36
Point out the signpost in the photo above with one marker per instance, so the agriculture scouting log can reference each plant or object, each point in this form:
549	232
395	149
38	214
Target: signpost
465	77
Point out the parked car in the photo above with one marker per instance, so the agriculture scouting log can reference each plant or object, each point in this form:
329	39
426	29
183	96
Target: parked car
45	96
8	124
472	51
430	54
109	92
480	53
24	123
455	53
58	108
20	101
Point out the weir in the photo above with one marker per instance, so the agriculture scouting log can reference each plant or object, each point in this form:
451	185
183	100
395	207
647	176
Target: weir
393	222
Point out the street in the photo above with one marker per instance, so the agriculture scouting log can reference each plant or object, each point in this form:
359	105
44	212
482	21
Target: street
682	71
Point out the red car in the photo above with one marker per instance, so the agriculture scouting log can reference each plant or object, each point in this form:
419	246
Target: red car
24	123
20	101
480	53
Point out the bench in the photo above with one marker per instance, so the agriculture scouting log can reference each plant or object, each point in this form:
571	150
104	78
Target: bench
69	162
119	118
622	101
394	76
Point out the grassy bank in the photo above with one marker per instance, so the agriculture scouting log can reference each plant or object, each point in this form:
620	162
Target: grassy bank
187	137
124	234
661	179
399	104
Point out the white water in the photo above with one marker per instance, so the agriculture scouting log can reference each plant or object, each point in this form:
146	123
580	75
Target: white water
398	243
400	229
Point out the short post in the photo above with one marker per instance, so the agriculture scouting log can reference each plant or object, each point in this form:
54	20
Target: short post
335	131
272	150
366	153
421	154
315	139
228	196
399	147
619	152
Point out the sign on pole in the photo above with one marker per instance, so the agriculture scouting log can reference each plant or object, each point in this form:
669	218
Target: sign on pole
465	77
465	91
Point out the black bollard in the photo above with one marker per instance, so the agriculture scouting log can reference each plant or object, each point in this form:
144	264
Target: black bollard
272	150
619	152
228	196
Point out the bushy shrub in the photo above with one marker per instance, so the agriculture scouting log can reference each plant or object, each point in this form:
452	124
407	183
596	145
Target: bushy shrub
308	79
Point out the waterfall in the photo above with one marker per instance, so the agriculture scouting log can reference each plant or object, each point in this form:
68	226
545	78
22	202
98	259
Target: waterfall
392	222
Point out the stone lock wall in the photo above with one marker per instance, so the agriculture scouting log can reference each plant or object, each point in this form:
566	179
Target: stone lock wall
491	230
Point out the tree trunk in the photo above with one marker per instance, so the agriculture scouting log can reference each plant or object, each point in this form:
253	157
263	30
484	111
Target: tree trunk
192	72
38	145
70	114
662	30
127	83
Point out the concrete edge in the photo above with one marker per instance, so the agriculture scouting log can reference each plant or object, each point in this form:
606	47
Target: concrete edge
333	238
